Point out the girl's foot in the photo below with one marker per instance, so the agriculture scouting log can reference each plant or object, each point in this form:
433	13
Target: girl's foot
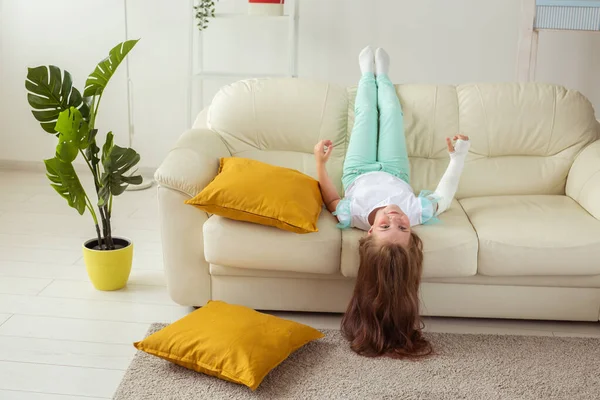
382	62
366	60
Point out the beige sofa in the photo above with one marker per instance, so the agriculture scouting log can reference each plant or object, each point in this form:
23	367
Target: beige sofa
521	241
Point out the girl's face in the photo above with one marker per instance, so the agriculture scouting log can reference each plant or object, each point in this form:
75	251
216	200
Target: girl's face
391	225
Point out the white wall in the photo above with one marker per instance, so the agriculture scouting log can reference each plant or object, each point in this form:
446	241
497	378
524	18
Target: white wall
430	41
159	70
571	59
73	35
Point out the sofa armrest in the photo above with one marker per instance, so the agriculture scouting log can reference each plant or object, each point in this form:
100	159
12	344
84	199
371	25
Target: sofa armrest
583	183
186	269
193	162
186	170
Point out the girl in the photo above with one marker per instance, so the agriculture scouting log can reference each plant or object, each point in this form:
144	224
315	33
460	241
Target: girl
383	315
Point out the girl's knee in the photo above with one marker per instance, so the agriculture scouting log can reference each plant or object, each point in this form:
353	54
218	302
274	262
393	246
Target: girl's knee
365	109
390	105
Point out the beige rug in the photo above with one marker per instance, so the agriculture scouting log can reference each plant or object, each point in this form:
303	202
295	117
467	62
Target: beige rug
482	367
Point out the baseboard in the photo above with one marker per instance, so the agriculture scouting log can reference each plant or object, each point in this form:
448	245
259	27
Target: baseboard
38	166
26	166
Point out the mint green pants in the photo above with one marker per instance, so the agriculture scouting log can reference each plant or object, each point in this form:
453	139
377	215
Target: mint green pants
376	105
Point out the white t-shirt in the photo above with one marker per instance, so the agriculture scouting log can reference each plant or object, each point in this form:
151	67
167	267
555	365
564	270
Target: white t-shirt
379	189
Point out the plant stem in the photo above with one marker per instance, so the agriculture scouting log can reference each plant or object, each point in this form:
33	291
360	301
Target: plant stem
91	209
95	111
103	223
106	228
109	229
109	226
103	220
95	170
109	214
100	245
96	183
109	245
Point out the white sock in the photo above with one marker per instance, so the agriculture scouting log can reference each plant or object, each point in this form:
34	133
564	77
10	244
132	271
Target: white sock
449	183
366	60
382	62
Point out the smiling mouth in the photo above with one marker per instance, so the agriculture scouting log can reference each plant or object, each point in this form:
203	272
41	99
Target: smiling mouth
394	212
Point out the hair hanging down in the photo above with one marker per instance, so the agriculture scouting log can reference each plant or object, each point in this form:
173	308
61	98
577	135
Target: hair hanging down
383	318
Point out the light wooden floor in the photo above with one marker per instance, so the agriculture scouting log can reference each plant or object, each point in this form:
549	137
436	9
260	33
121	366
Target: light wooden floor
61	339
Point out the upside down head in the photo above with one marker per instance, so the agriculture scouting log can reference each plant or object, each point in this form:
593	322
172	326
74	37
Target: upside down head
383	317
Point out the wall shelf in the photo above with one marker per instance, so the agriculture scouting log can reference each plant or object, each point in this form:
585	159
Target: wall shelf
217	75
252	17
198	74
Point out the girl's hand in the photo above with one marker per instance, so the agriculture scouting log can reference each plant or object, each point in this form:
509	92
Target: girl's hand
322	154
461	147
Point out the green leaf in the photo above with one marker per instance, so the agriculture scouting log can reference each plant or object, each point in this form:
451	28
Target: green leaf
50	93
66	183
66	151
97	81
104	192
71	126
73	134
108	146
117	162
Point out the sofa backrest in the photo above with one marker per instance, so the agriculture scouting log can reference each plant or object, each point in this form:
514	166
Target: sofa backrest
524	136
279	121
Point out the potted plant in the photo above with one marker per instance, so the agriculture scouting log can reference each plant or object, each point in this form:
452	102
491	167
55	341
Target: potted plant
63	112
205	9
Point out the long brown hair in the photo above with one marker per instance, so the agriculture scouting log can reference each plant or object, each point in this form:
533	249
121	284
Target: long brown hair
383	318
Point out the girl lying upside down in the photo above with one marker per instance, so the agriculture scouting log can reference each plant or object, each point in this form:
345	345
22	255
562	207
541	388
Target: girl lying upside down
383	315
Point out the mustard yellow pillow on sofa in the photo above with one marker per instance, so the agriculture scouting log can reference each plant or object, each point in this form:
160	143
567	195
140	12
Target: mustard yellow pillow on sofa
230	342
252	191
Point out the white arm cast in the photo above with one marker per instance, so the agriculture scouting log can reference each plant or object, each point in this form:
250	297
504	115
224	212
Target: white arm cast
449	183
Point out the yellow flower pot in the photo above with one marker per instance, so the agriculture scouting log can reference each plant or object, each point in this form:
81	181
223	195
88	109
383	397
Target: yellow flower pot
108	269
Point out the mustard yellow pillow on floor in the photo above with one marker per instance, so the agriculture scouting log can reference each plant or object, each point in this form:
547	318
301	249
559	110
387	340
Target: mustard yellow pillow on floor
252	191
230	342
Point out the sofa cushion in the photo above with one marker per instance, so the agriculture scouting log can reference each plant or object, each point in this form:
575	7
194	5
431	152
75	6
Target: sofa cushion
534	235
252	191
231	342
450	247
245	245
